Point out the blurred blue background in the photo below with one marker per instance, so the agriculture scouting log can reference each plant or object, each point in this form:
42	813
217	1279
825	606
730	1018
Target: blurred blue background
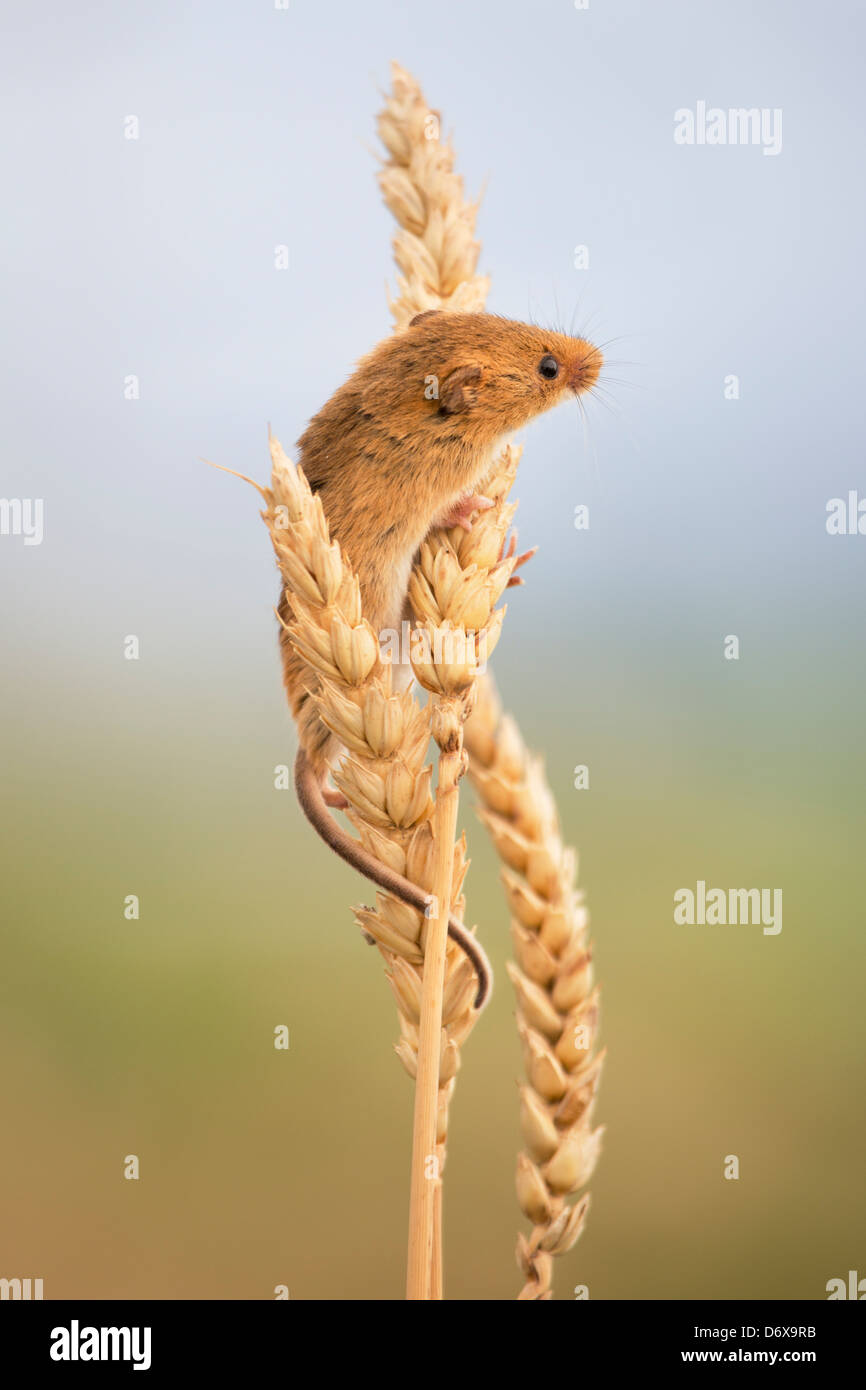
155	257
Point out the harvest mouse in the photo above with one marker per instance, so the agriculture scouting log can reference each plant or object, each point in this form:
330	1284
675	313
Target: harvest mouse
391	464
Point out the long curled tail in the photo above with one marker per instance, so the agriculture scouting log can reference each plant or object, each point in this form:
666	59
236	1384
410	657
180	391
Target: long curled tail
312	802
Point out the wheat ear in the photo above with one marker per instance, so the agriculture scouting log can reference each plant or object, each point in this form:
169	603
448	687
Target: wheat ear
437	254
557	1006
435	247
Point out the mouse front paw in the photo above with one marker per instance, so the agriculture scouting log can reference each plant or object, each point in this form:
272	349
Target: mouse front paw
516	579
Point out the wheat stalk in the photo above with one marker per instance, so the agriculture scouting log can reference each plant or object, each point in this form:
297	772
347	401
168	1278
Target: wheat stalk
454	587
437	254
387	783
557	1006
445	594
455	583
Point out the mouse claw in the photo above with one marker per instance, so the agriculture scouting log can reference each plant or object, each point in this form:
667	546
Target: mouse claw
515	582
335	799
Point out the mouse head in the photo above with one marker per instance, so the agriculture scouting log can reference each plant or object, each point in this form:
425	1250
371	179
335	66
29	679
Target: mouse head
494	374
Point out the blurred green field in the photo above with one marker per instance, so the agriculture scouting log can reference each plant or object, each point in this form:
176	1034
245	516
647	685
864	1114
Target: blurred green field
261	1167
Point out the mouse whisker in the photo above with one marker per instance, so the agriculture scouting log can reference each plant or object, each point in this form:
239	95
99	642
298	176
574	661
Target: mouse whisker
589	446
621	338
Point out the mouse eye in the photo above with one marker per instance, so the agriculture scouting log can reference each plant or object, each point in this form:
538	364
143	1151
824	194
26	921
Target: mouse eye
548	366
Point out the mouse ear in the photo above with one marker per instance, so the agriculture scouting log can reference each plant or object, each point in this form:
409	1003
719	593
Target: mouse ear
457	389
427	314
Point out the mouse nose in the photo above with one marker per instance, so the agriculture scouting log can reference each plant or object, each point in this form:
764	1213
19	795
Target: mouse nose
585	369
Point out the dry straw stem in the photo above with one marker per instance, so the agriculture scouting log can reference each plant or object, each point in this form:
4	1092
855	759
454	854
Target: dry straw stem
454	588
424	1266
437	255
